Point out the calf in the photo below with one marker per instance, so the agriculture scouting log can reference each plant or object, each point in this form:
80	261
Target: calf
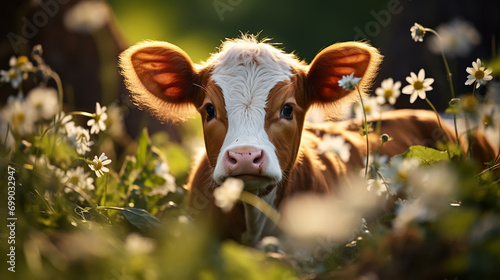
252	98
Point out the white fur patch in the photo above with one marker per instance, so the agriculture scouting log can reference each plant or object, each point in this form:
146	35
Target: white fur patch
246	71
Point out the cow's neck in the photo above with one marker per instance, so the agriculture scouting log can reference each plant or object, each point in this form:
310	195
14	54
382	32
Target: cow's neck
258	225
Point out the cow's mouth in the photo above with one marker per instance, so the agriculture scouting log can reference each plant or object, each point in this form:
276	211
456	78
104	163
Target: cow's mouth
255	183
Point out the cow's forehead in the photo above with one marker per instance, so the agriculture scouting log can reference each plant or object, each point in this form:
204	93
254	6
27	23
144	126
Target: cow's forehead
246	71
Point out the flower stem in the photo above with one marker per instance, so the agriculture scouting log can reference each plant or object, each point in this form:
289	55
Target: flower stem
81	113
449	78
261	205
57	79
365	127
439	122
496	166
470	138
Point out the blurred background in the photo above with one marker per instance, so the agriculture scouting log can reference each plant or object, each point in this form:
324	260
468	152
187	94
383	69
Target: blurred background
82	46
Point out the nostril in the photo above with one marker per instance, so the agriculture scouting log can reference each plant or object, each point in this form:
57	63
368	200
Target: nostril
258	158
232	160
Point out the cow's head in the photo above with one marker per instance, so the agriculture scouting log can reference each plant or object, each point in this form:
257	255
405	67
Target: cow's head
251	96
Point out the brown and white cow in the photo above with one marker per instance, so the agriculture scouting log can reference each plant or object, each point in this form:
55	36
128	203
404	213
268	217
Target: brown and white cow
253	99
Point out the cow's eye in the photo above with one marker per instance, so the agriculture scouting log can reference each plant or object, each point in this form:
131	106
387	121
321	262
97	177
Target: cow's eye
287	112
211	113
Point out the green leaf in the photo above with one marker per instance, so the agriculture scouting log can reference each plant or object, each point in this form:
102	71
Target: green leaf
142	148
426	155
241	263
141	219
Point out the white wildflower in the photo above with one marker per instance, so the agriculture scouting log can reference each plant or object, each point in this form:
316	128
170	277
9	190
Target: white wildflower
19	68
418	85
478	74
45	102
20	116
375	162
388	91
79	137
431	192
62	123
227	194
377	186
417	32
98	165
335	144
78	180
136	244
87	16
114	121
349	82
97	123
456	38
398	172
372	108
338	218
162	169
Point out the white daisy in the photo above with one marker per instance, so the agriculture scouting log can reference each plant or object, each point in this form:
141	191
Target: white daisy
79	137
349	82
97	123
478	74
371	108
44	100
114	122
18	71
388	91
335	144
20	115
98	165
227	194
78	180
417	32
418	85
377	186
63	123
162	169
398	172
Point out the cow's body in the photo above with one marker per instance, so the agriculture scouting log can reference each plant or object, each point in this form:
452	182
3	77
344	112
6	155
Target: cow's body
253	99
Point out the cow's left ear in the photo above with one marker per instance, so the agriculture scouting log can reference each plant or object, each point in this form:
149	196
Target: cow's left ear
339	60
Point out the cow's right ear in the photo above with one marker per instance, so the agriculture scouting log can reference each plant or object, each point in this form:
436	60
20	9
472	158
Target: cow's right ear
161	78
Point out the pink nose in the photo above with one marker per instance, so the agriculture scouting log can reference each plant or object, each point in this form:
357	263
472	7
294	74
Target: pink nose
245	161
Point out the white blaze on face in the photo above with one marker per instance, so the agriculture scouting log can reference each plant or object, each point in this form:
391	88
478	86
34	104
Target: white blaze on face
246	73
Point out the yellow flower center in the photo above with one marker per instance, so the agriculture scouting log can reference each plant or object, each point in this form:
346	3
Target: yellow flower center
402	176
368	109
97	165
388	93
12	75
19	118
74	180
418	85
479	74
420	32
487	120
469	103
22	60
